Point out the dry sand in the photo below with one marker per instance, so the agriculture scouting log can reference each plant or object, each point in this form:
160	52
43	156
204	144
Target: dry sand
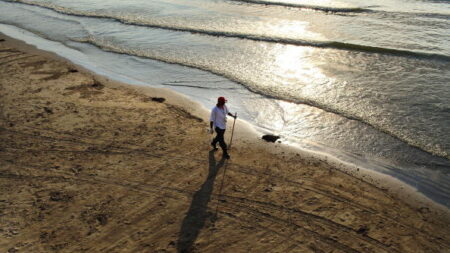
92	166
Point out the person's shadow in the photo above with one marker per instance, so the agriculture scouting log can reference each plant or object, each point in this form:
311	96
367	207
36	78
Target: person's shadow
197	215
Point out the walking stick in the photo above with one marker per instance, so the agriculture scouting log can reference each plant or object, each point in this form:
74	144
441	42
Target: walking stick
232	131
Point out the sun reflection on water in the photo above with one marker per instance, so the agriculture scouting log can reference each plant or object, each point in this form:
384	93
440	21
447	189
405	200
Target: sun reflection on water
298	72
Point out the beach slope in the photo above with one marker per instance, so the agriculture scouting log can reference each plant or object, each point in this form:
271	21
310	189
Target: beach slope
88	165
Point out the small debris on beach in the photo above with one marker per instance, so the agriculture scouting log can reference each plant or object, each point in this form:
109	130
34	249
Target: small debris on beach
48	110
97	85
102	219
270	138
159	100
363	230
60	196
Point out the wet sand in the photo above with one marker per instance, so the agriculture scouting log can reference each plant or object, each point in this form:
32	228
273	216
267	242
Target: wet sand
89	165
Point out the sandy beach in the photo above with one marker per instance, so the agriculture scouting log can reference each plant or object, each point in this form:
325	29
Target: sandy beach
90	165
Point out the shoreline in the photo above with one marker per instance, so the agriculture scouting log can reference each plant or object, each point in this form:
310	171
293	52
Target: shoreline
251	154
251	137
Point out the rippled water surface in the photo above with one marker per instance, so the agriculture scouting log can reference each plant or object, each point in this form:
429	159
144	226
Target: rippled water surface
364	81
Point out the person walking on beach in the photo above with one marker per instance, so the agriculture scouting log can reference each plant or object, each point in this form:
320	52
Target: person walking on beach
218	122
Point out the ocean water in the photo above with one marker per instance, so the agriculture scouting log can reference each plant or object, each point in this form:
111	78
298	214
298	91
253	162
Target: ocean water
366	82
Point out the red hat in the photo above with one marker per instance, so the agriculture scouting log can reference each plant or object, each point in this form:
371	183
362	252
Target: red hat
221	100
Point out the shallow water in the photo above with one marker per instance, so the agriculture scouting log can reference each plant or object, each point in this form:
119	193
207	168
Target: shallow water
366	82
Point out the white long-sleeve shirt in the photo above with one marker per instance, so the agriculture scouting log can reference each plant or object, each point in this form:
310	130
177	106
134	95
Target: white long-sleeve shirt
219	117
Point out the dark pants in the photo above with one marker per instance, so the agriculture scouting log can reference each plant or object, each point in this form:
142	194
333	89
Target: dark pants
219	138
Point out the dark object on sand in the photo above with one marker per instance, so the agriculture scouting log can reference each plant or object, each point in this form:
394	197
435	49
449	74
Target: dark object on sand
97	85
1	40
102	219
363	230
48	110
60	196
160	100
270	138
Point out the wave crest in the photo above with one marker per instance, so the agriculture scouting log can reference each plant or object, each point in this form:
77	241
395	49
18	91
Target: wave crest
329	9
228	34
